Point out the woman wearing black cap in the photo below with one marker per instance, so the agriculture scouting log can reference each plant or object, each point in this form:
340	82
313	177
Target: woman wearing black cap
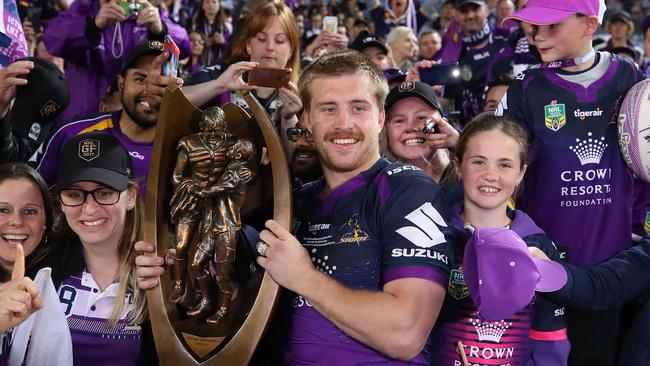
93	260
416	133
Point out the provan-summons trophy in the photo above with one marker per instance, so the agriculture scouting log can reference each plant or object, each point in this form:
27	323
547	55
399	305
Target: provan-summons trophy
214	303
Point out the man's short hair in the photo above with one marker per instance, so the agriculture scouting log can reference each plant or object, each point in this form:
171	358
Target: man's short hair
505	80
340	63
360	23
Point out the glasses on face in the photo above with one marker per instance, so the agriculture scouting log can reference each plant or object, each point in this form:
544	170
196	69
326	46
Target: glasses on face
198	42
77	197
294	133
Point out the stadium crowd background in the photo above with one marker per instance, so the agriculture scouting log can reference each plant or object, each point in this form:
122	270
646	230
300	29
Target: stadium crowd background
402	37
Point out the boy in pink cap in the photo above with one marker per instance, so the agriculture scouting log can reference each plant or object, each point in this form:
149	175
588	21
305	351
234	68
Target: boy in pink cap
577	186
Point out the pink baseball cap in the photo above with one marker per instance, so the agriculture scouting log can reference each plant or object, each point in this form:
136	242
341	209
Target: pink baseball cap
545	12
501	274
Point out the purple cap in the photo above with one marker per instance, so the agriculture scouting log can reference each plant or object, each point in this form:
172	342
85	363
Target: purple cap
501	274
544	12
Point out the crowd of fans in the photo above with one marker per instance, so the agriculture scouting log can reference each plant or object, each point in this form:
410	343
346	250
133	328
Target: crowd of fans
94	66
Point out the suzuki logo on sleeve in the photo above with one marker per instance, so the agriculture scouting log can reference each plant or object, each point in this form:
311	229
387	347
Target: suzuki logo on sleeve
425	233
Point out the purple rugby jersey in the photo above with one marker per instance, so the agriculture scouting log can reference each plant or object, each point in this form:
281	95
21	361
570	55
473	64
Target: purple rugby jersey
88	310
535	335
577	186
47	155
385	224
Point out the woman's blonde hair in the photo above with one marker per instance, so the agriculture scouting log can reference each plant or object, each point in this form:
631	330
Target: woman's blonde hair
133	227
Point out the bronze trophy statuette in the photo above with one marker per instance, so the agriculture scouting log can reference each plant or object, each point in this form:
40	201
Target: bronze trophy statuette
206	175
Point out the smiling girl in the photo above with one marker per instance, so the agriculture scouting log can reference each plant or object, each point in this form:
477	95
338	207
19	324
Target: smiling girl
490	159
25	220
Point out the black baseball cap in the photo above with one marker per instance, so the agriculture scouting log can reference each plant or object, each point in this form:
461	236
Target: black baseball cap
96	157
45	96
365	40
153	48
412	89
461	3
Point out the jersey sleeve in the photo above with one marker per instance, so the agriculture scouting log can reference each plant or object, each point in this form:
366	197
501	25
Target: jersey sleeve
48	163
548	337
611	283
204	75
415	234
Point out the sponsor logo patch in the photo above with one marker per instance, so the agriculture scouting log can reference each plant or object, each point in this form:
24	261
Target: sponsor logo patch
554	115
356	235
457	287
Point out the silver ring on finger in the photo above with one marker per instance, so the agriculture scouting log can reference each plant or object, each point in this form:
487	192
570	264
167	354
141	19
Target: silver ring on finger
261	248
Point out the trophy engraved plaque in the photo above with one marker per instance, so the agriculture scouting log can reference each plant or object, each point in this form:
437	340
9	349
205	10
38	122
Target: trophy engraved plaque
209	171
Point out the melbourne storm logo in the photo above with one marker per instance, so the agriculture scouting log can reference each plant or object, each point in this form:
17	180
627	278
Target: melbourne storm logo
357	235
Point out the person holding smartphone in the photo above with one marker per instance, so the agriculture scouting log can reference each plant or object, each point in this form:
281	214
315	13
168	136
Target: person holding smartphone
270	40
76	36
410	108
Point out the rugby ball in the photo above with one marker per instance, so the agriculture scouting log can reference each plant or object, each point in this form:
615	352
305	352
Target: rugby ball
634	129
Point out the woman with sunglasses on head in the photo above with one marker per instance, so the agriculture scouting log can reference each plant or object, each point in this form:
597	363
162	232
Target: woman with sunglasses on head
93	260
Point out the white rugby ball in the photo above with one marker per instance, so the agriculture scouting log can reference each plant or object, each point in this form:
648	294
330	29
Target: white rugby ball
634	129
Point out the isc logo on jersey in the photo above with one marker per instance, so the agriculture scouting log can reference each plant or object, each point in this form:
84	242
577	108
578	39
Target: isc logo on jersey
554	115
425	234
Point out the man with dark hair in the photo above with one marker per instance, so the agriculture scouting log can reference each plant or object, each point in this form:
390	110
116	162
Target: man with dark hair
496	89
429	42
134	125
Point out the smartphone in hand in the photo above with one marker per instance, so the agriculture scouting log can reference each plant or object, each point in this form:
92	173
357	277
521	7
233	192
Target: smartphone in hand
131	8
440	74
170	66
269	77
330	24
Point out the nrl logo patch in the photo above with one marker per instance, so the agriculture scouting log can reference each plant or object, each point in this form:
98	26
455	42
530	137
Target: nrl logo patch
406	86
49	109
554	116
88	149
156	45
646	224
457	287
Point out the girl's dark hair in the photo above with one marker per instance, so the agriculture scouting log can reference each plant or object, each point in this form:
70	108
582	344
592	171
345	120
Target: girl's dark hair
21	170
487	122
